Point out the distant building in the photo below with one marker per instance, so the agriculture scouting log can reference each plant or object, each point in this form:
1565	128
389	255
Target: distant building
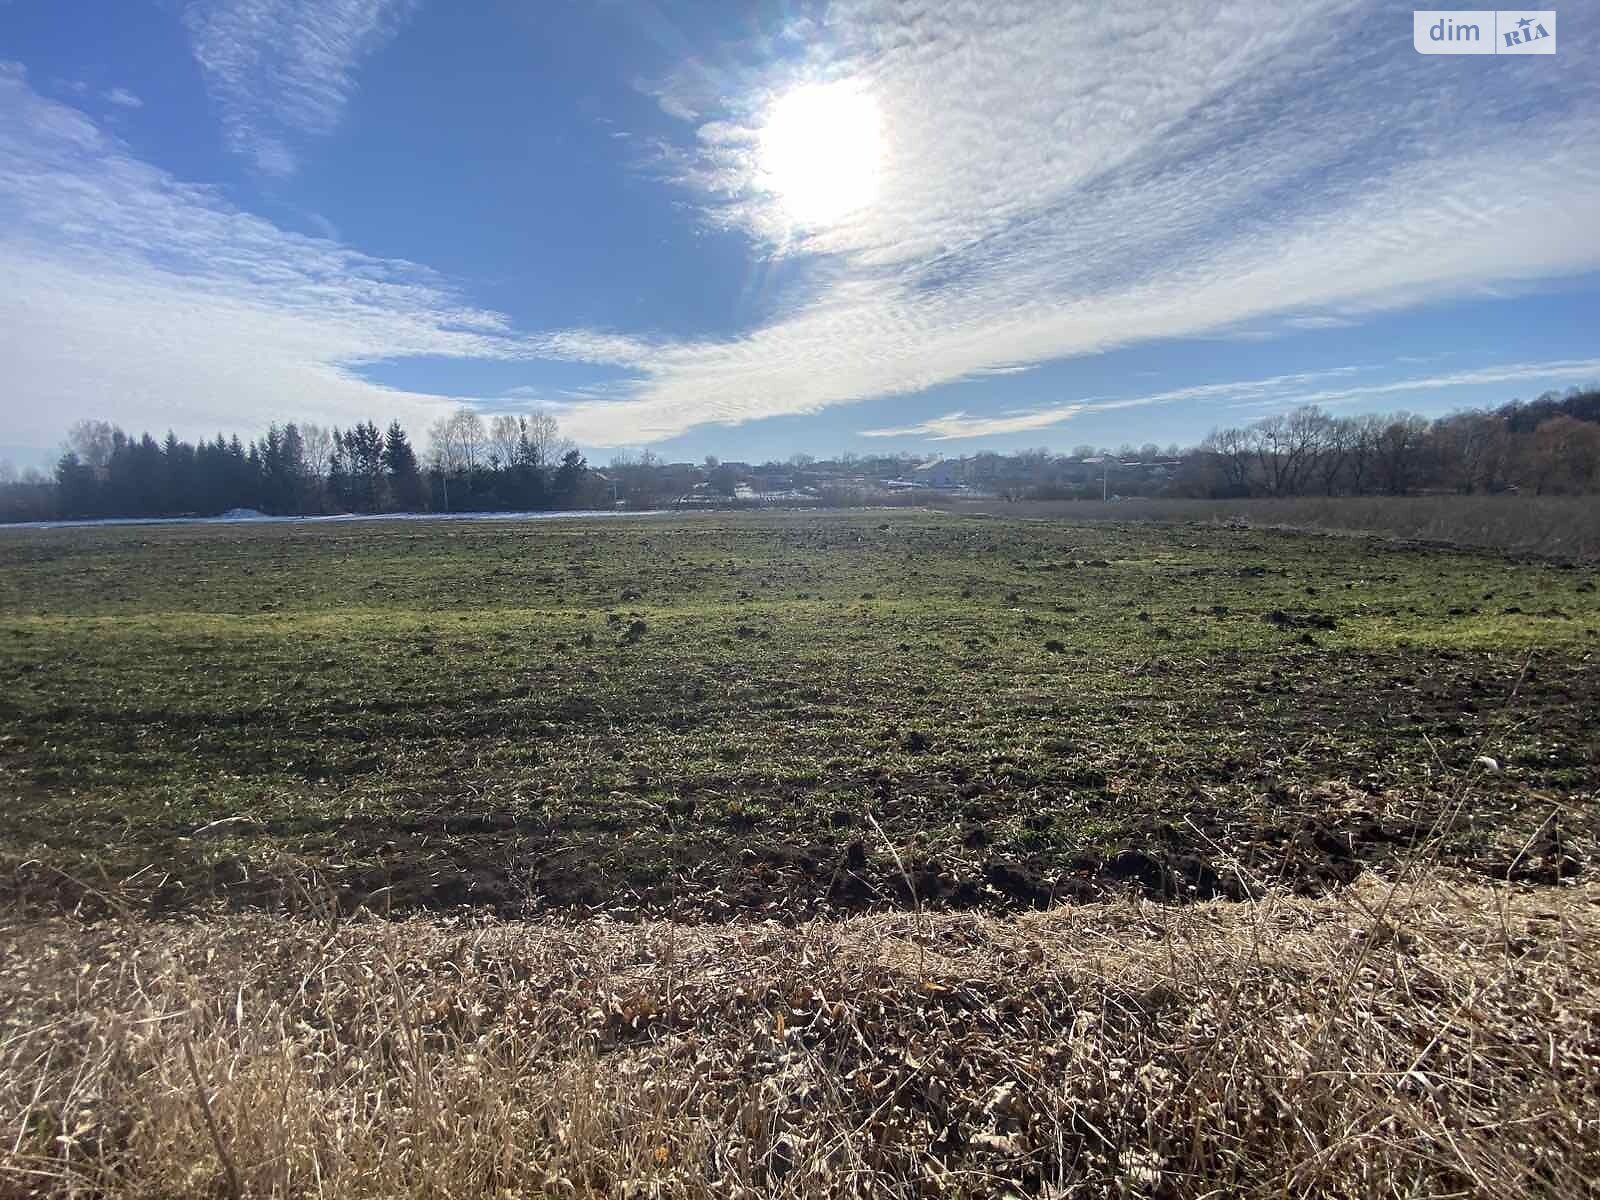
941	473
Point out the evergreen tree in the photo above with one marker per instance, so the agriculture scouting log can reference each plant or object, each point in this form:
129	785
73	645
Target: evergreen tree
339	472
282	467
568	487
106	473
363	450
181	481
77	489
249	492
400	462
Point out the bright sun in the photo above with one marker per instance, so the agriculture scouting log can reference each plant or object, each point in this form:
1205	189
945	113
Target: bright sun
819	153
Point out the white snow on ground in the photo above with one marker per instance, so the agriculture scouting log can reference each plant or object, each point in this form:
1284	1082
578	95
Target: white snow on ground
240	516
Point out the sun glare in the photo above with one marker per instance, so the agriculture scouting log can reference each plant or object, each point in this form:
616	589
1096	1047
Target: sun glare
819	153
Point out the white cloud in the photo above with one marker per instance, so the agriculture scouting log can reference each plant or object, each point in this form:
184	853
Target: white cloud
962	425
123	98
132	295
1315	321
1061	178
1280	392
1058	178
590	346
1569	371
959	425
281	68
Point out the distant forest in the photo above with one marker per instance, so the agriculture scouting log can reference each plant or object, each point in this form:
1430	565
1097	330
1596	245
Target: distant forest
1547	446
508	464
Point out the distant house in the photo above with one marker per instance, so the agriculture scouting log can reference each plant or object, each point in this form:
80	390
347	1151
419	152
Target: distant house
941	473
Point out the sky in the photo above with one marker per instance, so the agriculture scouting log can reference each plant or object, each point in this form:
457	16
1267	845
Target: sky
760	228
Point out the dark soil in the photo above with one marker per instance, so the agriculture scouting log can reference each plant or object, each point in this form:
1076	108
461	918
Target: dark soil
514	868
784	717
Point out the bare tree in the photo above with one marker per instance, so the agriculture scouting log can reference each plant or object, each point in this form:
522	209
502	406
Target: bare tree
1309	431
1233	454
458	441
442	453
1563	455
470	435
544	435
1399	453
1485	453
316	449
505	440
1286	448
1365	434
1464	443
92	441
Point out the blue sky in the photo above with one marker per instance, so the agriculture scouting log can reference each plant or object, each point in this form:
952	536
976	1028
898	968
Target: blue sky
753	229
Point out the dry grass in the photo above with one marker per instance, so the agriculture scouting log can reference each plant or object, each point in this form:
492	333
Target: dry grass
1560	526
1443	1039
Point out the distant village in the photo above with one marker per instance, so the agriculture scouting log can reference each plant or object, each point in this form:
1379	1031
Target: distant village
1550	445
1034	474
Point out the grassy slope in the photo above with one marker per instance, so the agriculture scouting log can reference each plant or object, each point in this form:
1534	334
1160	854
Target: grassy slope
436	714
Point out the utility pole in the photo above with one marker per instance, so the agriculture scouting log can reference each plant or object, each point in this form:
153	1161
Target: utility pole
1105	479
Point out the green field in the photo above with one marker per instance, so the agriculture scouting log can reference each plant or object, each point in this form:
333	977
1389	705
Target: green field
781	714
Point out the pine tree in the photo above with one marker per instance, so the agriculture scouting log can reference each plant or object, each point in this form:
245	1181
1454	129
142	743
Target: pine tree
107	473
400	461
570	478
363	447
77	489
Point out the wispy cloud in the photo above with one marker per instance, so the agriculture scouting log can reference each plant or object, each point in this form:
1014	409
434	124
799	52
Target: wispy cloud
279	69
1059	178
590	346
959	425
124	284
1008	370
956	425
1315	321
1276	392
123	98
1569	371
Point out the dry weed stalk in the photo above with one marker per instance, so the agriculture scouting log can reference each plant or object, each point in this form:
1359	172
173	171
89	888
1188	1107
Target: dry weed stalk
1436	1038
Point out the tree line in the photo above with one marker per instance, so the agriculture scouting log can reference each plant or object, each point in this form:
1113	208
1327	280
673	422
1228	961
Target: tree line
521	463
509	463
1548	446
